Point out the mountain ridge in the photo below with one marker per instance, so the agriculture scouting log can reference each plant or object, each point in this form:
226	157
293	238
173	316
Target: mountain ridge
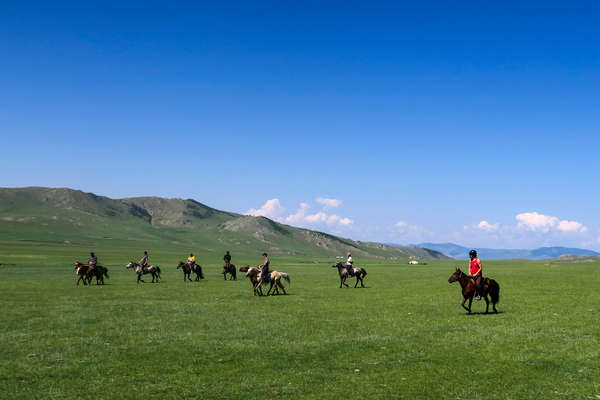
542	253
69	215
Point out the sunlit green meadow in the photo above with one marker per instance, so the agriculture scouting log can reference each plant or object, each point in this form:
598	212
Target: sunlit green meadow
404	336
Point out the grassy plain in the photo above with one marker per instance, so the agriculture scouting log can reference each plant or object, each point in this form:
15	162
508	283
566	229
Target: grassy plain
404	336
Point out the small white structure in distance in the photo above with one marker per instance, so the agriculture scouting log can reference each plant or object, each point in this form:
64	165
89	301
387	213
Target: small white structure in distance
413	262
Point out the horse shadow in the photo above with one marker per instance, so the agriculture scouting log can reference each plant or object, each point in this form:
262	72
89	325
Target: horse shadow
483	313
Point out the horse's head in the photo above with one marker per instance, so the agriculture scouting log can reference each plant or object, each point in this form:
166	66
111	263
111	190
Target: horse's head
455	277
77	265
130	264
180	264
244	268
252	271
337	265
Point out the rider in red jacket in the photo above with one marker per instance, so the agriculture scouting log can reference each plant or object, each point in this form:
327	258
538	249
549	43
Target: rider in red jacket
475	270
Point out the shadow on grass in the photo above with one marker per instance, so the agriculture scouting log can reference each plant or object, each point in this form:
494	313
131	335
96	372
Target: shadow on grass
483	313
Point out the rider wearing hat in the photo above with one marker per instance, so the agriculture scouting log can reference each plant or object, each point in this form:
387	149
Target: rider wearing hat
475	270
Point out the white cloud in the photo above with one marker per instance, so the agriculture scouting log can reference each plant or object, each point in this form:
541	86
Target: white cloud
271	209
536	222
329	219
486	226
543	223
571	226
401	224
328	203
299	216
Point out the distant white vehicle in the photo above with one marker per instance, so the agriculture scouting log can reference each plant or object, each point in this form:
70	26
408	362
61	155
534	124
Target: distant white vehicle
413	262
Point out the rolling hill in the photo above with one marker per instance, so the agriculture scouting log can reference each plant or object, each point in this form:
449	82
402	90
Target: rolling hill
542	253
67	216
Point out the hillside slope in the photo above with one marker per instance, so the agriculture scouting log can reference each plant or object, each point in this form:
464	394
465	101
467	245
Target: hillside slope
71	216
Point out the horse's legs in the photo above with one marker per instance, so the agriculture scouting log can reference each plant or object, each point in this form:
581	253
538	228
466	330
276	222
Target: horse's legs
465	307
270	287
282	287
362	282
356	284
487	303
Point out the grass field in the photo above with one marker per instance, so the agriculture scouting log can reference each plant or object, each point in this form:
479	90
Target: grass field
404	336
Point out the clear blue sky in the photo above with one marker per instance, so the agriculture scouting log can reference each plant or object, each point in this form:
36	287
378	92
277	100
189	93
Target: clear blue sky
423	121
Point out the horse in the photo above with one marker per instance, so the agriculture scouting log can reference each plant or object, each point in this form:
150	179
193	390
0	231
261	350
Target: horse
139	270
489	286
84	273
275	279
253	278
188	269
229	269
359	273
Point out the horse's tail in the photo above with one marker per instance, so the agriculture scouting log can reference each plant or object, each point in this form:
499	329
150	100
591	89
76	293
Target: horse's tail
158	271
201	274
106	273
494	291
364	271
286	277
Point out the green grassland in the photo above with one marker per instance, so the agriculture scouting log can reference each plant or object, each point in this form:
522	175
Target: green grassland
404	336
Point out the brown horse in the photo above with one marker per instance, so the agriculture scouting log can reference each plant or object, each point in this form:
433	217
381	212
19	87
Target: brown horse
83	272
359	273
86	273
275	280
488	286
187	271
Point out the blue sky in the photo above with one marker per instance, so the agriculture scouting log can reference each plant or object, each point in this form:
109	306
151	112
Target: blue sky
390	122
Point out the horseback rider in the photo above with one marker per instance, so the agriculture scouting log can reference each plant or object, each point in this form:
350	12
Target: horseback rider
92	261
475	270
144	261
191	260
227	259
264	272
349	262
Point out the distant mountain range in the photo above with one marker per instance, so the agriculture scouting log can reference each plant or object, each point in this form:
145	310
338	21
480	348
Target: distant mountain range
67	216
459	252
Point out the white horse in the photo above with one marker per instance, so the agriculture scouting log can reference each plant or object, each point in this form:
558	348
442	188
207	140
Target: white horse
139	270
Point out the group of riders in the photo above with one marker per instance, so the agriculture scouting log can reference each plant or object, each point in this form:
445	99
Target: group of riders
475	267
191	261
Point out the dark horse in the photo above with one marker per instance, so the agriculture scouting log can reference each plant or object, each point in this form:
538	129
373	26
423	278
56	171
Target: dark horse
187	271
359	273
488	286
86	273
229	269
